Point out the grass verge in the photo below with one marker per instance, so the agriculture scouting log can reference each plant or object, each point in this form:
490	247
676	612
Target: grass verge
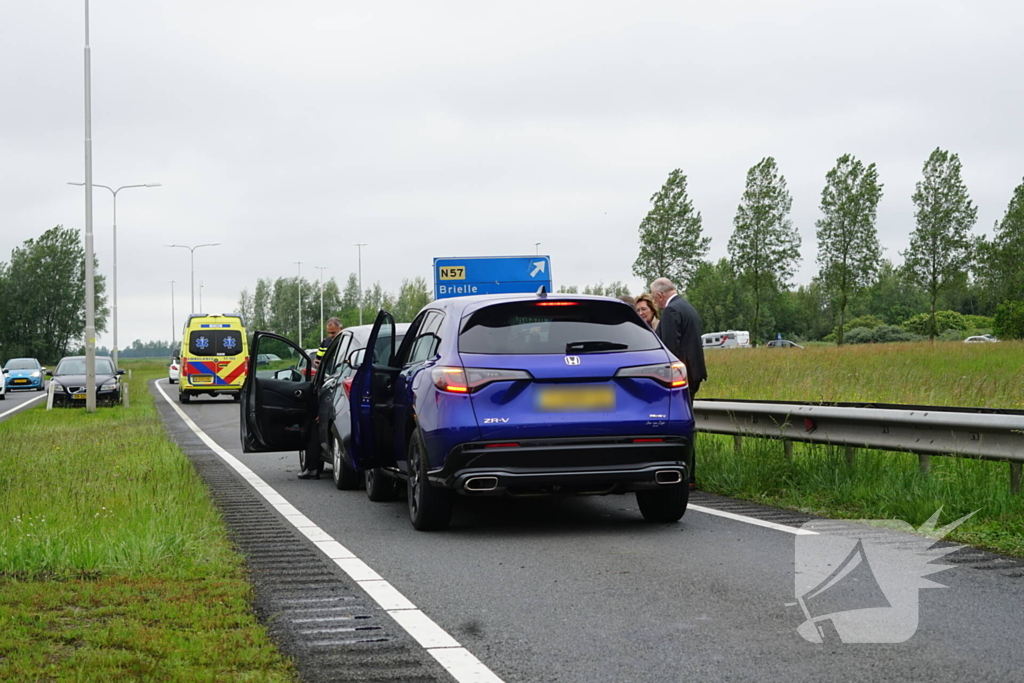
113	560
878	484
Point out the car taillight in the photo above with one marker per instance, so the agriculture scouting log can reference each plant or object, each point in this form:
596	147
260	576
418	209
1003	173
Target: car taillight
558	303
468	380
669	374
346	384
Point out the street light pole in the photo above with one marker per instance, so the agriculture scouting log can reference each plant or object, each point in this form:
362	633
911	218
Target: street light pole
90	283
192	251
321	269
298	283
114	193
537	246
360	246
174	328
200	295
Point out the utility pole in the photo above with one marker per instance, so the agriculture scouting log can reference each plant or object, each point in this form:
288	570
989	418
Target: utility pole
537	246
201	296
360	247
174	328
321	269
90	283
298	283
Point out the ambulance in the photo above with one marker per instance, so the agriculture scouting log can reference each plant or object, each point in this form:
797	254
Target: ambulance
214	356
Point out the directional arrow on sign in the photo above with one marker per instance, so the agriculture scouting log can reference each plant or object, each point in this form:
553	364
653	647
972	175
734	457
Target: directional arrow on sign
538	267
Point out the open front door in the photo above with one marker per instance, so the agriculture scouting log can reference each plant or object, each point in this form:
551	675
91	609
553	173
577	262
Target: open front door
278	405
371	397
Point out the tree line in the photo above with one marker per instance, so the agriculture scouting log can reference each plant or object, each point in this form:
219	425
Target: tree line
274	305
42	297
950	281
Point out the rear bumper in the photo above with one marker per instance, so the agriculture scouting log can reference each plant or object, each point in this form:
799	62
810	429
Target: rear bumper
581	466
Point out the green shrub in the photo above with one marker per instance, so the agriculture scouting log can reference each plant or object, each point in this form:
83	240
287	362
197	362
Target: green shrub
891	333
1009	320
858	335
921	324
979	322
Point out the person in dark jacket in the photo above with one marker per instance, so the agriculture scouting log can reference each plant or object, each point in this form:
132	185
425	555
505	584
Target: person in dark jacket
680	331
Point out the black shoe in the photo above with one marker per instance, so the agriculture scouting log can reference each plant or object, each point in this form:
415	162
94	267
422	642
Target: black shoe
309	474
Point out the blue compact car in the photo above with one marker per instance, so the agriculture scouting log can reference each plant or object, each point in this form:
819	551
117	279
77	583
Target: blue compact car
516	394
24	373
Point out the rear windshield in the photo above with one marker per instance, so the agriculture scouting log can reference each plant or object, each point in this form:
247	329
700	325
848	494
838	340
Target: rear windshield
570	327
22	364
213	342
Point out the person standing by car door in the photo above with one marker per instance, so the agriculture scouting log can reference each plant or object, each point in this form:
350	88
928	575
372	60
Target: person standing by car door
680	330
313	463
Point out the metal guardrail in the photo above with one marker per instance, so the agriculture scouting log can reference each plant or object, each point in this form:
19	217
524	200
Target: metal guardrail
925	430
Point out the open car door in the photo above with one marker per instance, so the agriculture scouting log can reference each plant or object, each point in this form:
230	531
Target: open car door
372	399
278	404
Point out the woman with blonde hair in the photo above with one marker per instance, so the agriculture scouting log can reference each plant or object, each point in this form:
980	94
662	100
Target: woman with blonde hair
647	310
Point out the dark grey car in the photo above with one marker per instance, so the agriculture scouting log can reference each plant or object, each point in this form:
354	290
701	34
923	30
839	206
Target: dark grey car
68	381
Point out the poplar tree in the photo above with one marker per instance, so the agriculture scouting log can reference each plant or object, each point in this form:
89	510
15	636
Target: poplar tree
940	246
671	239
848	248
1000	267
764	247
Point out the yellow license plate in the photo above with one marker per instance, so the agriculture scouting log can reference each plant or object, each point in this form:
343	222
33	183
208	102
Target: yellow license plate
79	397
576	398
202	379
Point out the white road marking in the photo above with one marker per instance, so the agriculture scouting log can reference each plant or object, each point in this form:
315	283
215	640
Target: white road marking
26	404
456	659
796	531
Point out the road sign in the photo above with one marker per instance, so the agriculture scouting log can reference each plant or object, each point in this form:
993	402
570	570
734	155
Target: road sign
490	275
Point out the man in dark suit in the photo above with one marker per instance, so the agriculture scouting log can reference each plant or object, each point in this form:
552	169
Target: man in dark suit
680	330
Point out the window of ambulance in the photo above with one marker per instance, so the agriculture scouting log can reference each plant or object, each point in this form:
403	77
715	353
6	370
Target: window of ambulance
215	342
556	327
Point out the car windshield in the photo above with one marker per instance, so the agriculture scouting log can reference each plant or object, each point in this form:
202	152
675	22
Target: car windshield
22	364
556	327
76	366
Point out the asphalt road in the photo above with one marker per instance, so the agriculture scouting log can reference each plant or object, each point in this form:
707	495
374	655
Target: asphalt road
18	400
584	590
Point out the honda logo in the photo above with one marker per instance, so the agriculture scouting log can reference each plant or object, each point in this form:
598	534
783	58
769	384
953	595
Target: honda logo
572	360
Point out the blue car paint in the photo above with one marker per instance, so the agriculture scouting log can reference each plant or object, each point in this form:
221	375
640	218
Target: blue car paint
447	420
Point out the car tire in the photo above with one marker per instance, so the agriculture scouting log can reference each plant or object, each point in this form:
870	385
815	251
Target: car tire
308	462
665	503
183	397
3	396
171	381
40	387
380	487
430	508
345	478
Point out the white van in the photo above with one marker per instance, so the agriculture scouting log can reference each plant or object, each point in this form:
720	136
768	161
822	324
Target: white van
730	339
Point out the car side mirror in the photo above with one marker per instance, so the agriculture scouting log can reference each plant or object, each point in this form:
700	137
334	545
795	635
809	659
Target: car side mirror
121	371
355	359
6	371
48	373
43	369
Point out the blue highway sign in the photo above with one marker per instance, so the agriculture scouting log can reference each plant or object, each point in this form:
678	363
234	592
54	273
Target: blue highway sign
490	275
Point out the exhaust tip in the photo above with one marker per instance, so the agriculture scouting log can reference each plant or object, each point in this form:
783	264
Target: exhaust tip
668	477
481	483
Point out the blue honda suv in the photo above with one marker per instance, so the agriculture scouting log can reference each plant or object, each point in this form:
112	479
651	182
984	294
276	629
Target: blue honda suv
516	394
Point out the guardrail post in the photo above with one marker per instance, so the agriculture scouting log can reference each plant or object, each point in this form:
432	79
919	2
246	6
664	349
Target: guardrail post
737	444
851	453
787	447
1015	478
124	397
49	395
924	462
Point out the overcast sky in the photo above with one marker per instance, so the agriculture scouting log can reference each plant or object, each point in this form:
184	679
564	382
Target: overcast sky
289	131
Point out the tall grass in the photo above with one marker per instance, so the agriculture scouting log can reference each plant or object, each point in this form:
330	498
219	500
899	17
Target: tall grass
877	484
86	493
114	564
940	373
